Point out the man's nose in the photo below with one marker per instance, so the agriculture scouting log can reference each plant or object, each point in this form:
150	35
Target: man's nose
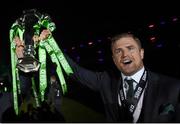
125	53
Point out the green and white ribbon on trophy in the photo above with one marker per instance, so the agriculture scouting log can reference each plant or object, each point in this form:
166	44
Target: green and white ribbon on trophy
48	45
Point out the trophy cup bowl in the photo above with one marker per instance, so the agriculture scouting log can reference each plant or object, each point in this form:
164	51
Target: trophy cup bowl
28	63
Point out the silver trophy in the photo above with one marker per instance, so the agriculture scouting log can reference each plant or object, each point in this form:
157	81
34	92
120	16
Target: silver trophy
28	63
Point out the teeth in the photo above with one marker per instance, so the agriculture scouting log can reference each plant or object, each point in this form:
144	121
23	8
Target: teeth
127	61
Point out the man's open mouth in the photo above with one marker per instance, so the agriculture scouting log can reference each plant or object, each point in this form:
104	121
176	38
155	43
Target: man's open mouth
127	62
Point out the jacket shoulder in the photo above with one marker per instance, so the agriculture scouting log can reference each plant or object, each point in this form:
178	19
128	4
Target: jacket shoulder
164	79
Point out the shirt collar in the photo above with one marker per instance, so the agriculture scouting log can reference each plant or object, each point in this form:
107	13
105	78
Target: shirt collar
137	76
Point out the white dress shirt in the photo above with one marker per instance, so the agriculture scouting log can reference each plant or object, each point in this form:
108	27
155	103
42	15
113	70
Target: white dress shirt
137	76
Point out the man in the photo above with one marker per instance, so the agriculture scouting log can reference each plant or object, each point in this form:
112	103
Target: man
155	98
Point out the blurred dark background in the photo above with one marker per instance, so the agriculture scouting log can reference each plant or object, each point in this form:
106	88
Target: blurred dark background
83	32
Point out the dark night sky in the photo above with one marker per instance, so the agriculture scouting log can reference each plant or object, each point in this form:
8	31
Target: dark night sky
78	21
75	20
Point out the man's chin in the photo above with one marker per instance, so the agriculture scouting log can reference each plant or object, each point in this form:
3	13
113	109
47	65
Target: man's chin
128	72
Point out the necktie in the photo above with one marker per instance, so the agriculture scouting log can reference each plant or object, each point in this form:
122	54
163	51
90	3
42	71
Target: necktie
130	91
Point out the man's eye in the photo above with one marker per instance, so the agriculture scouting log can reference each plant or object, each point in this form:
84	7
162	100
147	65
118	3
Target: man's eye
131	48
118	51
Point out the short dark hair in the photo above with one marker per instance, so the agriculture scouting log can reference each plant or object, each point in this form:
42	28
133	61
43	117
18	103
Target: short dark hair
122	35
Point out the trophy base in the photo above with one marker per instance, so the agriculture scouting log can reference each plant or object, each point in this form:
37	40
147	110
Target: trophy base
28	64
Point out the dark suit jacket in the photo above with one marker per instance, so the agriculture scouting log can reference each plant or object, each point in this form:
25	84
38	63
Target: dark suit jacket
161	99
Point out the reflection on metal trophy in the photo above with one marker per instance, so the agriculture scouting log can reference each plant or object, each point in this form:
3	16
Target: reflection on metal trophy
29	32
28	63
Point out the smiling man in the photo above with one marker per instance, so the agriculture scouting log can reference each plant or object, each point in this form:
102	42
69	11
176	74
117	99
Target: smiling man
127	53
134	93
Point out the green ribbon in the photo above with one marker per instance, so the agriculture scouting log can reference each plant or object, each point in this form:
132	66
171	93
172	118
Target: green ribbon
16	30
55	60
60	56
42	71
35	92
13	33
52	49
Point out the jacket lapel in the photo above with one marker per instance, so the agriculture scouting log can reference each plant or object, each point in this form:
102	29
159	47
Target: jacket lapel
150	98
120	113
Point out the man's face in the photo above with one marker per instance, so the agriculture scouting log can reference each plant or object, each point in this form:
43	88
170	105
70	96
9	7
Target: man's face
127	55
